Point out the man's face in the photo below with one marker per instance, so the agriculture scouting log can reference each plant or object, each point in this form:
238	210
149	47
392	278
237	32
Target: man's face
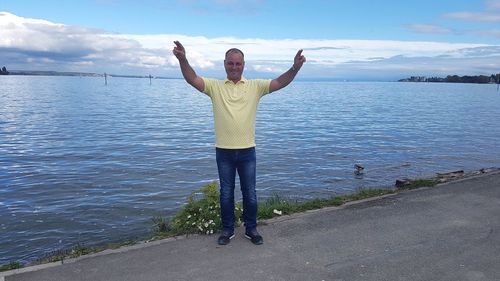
234	65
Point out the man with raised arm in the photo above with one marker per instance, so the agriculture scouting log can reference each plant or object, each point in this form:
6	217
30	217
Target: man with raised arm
234	102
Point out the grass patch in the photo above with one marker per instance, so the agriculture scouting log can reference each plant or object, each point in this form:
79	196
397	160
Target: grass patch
199	215
419	183
277	206
76	251
366	193
11	266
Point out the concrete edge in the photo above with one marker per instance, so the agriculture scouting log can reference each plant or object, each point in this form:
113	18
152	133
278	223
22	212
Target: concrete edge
139	245
27	269
472	175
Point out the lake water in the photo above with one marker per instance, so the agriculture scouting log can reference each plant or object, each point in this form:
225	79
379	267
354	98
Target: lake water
81	162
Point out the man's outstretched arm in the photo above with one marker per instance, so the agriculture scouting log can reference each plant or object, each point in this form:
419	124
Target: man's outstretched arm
284	79
186	69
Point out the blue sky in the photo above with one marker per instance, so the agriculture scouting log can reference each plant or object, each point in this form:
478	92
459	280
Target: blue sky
344	40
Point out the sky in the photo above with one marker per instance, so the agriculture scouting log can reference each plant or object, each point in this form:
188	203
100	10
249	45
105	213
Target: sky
342	40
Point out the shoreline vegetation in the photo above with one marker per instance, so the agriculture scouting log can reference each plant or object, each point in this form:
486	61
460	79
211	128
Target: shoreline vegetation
3	71
480	79
200	216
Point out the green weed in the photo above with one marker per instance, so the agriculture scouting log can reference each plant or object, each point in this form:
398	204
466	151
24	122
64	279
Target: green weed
11	266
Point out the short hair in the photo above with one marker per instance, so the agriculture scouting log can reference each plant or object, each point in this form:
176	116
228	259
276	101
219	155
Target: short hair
234	50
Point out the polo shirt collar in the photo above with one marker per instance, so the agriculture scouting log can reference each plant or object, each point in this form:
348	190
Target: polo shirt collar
243	80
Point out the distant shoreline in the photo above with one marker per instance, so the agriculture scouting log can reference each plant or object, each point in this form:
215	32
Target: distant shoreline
80	74
479	79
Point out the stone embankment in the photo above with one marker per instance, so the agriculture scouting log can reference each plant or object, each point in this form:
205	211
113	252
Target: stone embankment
446	177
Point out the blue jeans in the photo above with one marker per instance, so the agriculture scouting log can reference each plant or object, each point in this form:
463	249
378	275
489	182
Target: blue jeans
243	161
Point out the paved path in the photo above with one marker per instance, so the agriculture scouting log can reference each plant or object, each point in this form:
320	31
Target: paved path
451	232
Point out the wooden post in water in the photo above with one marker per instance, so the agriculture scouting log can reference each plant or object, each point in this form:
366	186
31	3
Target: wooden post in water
150	79
105	78
497	79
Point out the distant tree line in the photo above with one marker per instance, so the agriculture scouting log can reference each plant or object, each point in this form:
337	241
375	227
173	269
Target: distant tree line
4	71
480	79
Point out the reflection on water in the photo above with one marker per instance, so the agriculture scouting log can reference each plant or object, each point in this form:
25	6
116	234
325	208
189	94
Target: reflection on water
81	162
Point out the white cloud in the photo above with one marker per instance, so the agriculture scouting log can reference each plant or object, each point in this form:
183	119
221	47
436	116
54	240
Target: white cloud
487	32
491	13
239	7
493	4
37	44
429	28
474	16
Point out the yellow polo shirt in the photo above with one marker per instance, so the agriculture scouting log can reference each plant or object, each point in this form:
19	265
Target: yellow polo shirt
235	110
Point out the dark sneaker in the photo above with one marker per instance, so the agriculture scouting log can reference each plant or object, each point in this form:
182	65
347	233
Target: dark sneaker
225	238
254	236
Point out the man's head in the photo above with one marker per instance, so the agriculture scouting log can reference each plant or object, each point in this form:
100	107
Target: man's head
234	64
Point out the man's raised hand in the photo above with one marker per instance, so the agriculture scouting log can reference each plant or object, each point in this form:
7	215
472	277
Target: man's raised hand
299	60
179	51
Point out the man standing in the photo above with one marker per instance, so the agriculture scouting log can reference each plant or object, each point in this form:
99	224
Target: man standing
235	102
